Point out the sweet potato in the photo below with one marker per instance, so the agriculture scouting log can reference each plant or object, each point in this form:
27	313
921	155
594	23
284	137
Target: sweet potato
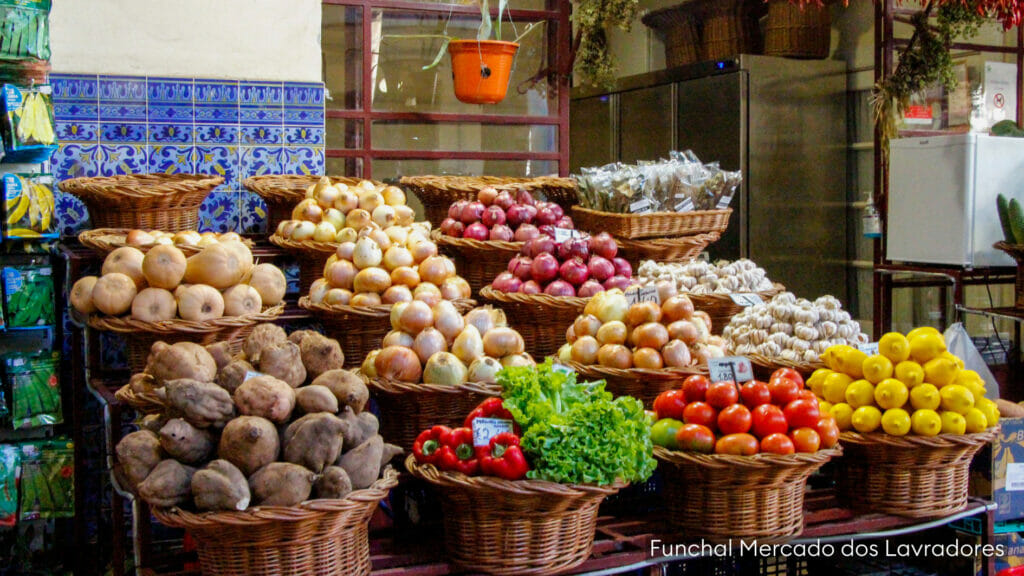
316	398
347	387
203	404
221	353
281	484
266	396
314	441
320	354
231	376
333	483
142	383
262	336
220	486
283	361
357	429
153	422
181	360
169	484
250	443
363	462
389	453
185	442
297	336
139	453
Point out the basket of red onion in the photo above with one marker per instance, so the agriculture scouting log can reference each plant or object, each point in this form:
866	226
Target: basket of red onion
547	285
482	234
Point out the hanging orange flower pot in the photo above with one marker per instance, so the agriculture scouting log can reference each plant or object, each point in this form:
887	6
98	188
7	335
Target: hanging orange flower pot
481	69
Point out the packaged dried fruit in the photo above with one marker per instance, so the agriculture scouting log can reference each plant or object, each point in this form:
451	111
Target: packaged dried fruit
29	206
28	125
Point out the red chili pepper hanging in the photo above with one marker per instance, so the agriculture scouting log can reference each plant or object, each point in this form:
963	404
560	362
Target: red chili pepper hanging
427	446
503	458
491	408
457	453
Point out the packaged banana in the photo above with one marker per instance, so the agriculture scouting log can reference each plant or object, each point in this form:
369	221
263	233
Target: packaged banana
29	209
28	125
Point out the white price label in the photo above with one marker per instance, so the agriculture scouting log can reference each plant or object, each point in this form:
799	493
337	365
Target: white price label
563	234
1015	476
647	293
641	206
735	368
686	205
486	428
562	368
724	201
251	374
870	348
746	300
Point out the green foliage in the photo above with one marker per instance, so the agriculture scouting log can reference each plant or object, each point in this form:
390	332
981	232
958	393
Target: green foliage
593	19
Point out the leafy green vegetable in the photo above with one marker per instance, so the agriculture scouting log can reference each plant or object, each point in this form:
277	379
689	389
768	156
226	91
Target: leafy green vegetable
575	432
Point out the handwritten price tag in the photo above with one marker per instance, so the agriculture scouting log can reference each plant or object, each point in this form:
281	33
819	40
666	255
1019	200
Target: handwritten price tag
746	300
486	428
563	234
641	206
647	293
735	368
870	348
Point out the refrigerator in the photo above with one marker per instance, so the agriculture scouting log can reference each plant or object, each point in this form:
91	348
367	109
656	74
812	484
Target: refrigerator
942	198
781	122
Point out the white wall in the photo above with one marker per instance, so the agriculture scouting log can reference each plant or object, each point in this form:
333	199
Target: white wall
238	39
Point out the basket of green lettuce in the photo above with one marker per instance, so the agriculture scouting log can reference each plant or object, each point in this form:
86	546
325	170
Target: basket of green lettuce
526	503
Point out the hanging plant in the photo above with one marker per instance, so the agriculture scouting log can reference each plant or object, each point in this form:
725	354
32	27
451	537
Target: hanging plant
593	19
1009	12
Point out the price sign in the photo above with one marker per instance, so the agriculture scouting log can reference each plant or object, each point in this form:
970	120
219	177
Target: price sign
486	428
563	234
252	374
562	368
870	348
641	206
735	368
647	293
746	300
724	201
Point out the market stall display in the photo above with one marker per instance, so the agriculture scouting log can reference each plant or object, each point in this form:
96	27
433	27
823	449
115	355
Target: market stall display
437	193
149	201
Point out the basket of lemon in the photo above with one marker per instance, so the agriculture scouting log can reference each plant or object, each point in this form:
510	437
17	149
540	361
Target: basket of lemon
912	419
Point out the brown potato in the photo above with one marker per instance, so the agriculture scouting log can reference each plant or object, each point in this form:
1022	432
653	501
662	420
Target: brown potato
281	484
139	453
220	486
333	483
180	360
316	398
347	387
320	354
266	396
185	442
169	484
314	441
283	361
250	443
363	462
262	335
232	375
203	404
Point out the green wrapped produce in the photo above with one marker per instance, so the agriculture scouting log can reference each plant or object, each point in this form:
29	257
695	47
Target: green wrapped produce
28	296
35	389
47	479
25	29
10	460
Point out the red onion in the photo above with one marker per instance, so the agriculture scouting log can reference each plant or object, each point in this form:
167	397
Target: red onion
520	267
578	248
538	245
530	212
565	222
622	267
530	287
493	216
560	288
604	245
504	200
524	197
476	231
455	210
501	232
471	212
544	268
620	282
589	288
516	215
487	195
547	230
545	216
526	232
506	282
601	268
556	209
574	271
452	227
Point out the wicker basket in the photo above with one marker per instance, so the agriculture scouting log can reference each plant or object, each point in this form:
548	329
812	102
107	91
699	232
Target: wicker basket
541	319
721	497
797	31
730	29
168	202
913	476
408	409
682	36
478	261
1017	252
144	402
437	193
142	334
640	383
318	537
652	224
721	308
764	366
106	240
677	249
282	192
310	255
522	527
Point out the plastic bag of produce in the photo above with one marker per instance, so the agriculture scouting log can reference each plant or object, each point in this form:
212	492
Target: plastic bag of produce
28	206
28	296
10	459
25	29
35	389
959	343
47	479
28	125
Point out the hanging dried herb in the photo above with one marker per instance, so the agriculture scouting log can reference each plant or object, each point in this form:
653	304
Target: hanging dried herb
593	19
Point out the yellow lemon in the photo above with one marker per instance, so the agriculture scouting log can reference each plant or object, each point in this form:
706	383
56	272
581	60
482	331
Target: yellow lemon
977	390
843	413
953	423
956	398
926	422
909	372
924	347
976	421
816	382
940	371
834	388
923	330
877	368
956	359
896	422
891	393
860	393
925	397
866	419
965	376
852	362
832	355
989	409
824	406
894	346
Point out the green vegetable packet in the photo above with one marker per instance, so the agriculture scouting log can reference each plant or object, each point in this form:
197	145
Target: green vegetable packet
25	29
10	459
35	389
47	479
28	296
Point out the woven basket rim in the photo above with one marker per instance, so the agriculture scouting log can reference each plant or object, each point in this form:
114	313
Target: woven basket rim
649	215
703	240
442	239
463	305
139	186
597	371
757	461
303	246
918	442
290	187
148	402
260	515
457	480
392	386
726	298
776	363
488	293
106	240
129	325
475	183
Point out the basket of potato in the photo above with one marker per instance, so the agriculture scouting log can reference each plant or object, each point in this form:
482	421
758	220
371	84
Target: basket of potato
216	294
278	470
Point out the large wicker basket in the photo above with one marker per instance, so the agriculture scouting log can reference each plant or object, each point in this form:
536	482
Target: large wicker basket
730	29
522	527
141	334
282	192
326	537
913	476
797	31
682	34
437	193
106	240
478	261
168	202
1017	252
407	409
652	224
541	319
675	249
311	256
721	307
640	383
720	497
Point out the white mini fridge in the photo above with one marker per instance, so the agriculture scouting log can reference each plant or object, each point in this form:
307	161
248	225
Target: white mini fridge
942	198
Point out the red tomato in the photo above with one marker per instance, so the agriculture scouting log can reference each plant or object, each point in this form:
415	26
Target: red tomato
739	444
734	419
722	394
670	404
805	440
789	373
802	413
828	431
806	394
696	438
700	413
755	393
777	444
695	387
768	419
783	390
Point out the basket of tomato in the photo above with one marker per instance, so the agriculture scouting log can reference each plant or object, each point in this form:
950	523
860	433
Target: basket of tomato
736	459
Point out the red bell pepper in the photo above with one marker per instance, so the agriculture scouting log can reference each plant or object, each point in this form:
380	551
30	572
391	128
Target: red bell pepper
457	453
503	458
491	408
428	444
